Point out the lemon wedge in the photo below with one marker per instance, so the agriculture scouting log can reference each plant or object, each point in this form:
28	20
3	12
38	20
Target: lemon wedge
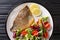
35	9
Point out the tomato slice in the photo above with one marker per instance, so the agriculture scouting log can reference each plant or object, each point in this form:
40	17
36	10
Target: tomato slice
23	33
45	35
47	25
35	33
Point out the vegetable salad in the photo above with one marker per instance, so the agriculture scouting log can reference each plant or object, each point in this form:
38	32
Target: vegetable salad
37	31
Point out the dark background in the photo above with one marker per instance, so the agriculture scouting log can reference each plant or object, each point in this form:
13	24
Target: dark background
53	6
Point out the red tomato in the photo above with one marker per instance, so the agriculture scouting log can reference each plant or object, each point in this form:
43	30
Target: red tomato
47	25
45	35
23	33
35	33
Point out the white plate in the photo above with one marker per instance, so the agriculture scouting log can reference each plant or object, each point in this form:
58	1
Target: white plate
14	13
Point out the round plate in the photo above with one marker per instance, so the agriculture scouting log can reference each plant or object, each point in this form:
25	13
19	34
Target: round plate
14	13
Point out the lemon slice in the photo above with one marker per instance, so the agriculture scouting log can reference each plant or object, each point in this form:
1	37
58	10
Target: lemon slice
35	9
33	5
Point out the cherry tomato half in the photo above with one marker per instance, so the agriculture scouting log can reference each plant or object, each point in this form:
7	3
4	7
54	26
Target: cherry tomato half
47	25
45	35
35	33
23	33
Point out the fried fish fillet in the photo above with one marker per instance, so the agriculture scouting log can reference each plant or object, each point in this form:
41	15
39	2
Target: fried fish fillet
23	20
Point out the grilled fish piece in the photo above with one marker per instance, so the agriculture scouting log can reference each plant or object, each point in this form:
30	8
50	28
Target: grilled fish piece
23	20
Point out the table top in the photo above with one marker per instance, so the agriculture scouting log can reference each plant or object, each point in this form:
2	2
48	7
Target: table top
53	6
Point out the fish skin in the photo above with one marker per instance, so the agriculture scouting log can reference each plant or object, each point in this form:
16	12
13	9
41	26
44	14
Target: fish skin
23	19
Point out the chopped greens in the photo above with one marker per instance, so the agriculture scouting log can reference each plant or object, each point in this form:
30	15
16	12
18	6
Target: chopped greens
17	38
45	18
18	32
